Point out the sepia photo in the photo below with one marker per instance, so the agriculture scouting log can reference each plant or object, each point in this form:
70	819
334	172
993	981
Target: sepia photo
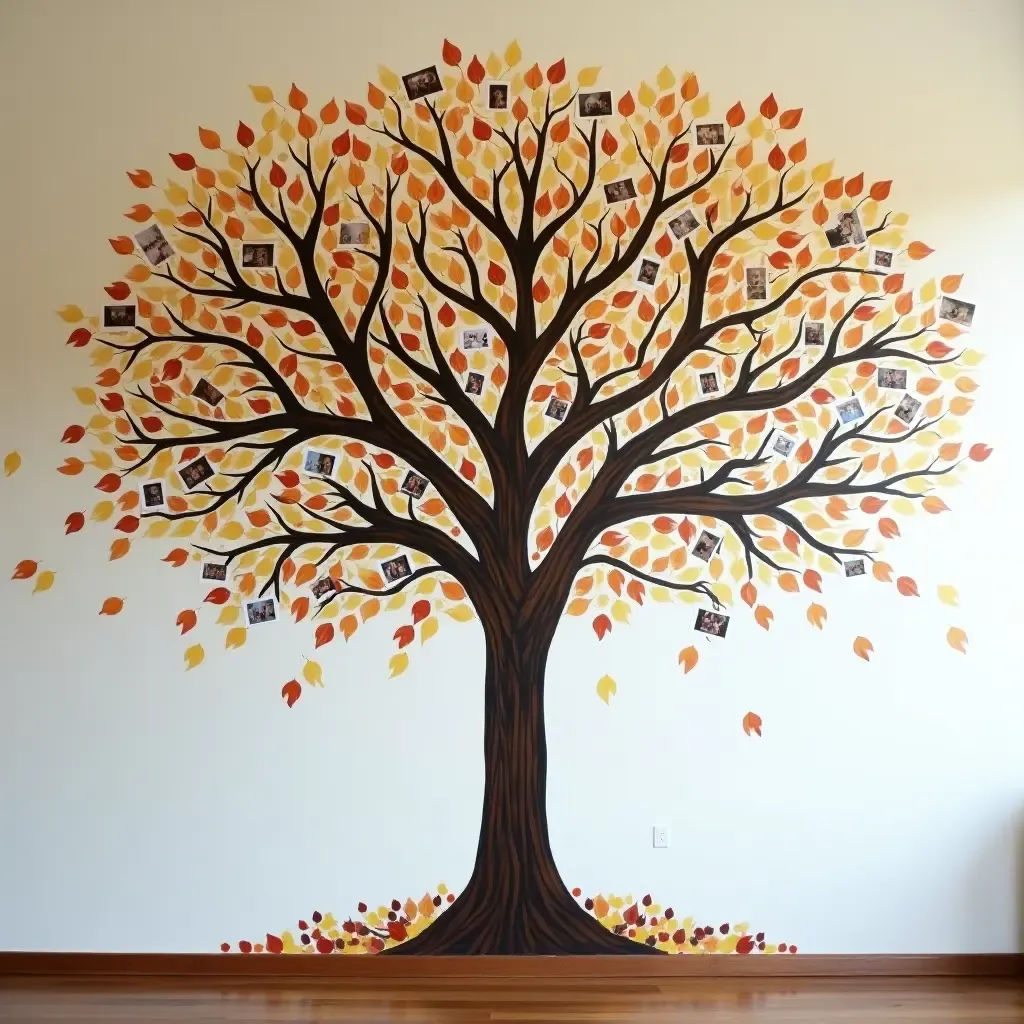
882	259
395	569
712	623
683	225
708	382
215	571
355	232
414	484
318	463
855	567
647	273
207	393
956	311
849	410
151	496
323	587
847	231
196	473
757	283
619	191
257	254
422	83
907	409
263	609
475	384
475	337
706	546
595	104
153	243
557	408
890	378
712	134
814	332
497	95
119	316
784	446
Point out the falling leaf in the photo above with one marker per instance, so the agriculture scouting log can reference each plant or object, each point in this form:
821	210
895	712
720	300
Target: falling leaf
957	639
948	595
688	658
606	688
186	620
291	691
763	616
235	637
398	664
25	569
194	656
752	723
12	463
816	615
907	586
313	673
111	606
862	648
44	581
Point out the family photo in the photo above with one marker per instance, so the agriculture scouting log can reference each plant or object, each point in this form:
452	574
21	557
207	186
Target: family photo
620	191
215	571
557	408
262	610
849	410
119	316
207	393
757	283
683	225
847	231
907	409
711	134
152	496
595	104
881	259
323	586
707	544
814	332
319	463
257	254
353	233
414	484
475	384
708	383
956	311
854	567
890	378
475	337
153	243
647	273
422	83
395	569
712	623
195	473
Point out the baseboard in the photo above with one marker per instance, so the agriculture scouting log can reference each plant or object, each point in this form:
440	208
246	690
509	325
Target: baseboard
356	968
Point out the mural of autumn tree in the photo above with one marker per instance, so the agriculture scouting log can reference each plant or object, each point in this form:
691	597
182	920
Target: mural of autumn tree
510	349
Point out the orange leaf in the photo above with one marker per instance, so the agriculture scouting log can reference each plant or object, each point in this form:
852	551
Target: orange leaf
186	620
119	548
957	639
763	616
790	118
862	648
979	452
918	250
907	586
25	569
816	615
111	606
324	634
812	580
752	723
888	528
688	658
602	625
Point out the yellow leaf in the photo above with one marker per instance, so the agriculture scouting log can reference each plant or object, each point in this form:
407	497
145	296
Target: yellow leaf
398	664
387	78
588	76
513	55
194	656
606	688
645	95
235	637
701	105
12	463
428	629
688	658
816	615
85	395
262	93
949	595
665	79
957	639
862	648
313	673
43	581
461	613
71	314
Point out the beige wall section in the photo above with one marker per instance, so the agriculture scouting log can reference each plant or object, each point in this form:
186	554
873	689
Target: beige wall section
141	808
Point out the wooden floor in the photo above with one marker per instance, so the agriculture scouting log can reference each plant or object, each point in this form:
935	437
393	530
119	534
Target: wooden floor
708	1001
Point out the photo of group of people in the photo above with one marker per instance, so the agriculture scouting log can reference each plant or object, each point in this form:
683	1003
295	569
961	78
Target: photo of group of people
207	393
263	609
475	384
414	484
154	245
319	463
215	571
708	382
850	410
683	225
711	134
352	233
257	254
595	104
706	546
891	378
196	472
757	283
395	569
475	337
557	408
151	496
883	259
323	587
121	315
847	231
619	191
712	623
956	311
647	273
907	409
422	83
855	567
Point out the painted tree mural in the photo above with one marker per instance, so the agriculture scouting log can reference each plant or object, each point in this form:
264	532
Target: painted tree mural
506	347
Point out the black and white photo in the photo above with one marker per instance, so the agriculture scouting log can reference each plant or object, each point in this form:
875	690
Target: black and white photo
263	609
475	337
855	567
154	244
814	332
354	232
647	273
706	546
757	283
196	473
215	571
323	587
257	254
422	83
712	623
619	191
318	463
847	231
708	382
414	484
151	496
890	378
497	95
849	410
683	225
595	104
475	384
119	316
395	569
711	134
557	408
956	311
784	446
207	393
907	409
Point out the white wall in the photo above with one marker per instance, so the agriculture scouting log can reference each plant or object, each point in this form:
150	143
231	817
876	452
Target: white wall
142	808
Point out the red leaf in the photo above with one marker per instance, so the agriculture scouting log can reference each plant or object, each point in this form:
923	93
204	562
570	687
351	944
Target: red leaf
404	635
481	129
178	557
476	71
74	522
812	580
183	161
79	337
446	315
602	625
341	144
979	452
855	185
277	175
245	135
127	524
791	118
451	53
735	115
25	569
112	402
556	72
324	634
73	434
880	190
397	931
273	943
769	108
907	586
355	113
776	158
219	595
109	483
821	396
420	610
186	620
495	274
888	528
118	291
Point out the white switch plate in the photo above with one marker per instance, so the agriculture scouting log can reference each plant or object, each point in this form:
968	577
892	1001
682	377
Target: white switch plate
661	837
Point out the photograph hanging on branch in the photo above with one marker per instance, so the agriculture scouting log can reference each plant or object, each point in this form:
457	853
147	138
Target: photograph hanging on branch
323	587
319	463
497	95
151	496
883	259
121	315
595	104
757	283
475	337
196	473
907	409
814	332
395	569
849	410
474	383
711	133
154	245
712	623
261	610
647	274
215	571
557	408
784	446
353	233
706	546
422	83
956	311
708	382
206	392
686	223
619	191
855	567
847	231
888	377
257	254
414	484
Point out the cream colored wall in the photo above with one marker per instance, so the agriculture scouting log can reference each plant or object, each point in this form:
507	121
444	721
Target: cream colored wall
142	808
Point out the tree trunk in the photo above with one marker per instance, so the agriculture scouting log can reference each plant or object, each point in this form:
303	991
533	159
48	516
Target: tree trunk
515	902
